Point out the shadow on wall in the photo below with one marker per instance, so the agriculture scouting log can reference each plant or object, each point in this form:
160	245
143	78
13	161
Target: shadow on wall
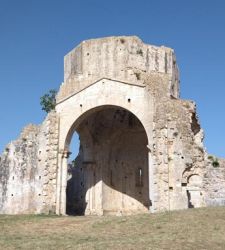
75	196
111	170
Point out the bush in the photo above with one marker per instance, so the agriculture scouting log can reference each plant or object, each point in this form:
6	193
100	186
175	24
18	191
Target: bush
214	161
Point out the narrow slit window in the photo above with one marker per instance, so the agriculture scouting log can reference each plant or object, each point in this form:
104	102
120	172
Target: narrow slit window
111	177
139	177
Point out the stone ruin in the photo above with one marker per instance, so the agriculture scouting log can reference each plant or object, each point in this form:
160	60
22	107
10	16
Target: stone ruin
141	145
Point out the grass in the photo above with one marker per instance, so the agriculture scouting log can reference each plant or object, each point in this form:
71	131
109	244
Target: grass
190	229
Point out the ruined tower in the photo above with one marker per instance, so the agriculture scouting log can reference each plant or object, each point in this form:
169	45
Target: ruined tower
140	144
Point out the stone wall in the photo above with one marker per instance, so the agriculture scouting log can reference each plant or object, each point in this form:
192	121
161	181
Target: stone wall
214	182
179	152
118	58
28	170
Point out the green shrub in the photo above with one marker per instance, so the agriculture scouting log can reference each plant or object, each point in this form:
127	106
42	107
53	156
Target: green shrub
48	101
214	161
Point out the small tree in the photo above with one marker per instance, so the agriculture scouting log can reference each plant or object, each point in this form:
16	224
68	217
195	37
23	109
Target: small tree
48	101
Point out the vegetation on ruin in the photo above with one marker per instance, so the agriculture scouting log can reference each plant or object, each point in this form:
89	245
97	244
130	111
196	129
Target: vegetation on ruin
215	161
140	52
48	101
189	229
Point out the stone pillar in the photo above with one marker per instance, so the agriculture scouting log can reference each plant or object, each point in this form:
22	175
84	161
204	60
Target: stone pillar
90	185
151	180
62	183
58	183
92	189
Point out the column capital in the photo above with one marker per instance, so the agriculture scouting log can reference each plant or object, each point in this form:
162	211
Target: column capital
65	153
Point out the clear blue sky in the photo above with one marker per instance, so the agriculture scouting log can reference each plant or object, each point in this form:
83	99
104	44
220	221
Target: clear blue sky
36	34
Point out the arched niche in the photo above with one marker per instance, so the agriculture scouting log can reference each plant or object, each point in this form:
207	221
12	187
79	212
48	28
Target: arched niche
194	191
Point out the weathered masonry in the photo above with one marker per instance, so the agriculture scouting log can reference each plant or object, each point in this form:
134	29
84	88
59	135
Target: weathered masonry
140	144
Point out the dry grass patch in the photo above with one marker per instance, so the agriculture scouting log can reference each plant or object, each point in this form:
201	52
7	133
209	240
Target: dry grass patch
190	229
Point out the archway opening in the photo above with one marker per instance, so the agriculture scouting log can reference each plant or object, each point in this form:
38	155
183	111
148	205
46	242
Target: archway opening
110	173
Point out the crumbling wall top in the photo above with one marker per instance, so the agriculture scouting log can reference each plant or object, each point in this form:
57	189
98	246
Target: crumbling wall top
122	58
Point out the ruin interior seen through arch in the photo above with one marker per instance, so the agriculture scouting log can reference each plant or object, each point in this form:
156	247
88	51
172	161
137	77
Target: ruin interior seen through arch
110	173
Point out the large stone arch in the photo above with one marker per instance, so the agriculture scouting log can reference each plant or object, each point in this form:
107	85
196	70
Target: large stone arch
81	118
105	92
112	164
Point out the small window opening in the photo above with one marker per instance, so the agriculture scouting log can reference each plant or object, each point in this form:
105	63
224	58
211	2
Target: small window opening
128	100
39	177
139	177
81	105
111	177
